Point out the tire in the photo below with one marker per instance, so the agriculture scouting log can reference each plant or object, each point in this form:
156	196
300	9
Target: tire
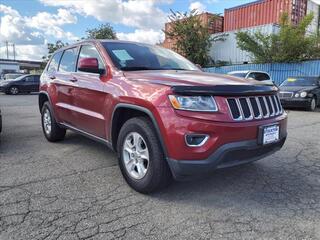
156	174
313	104
51	130
14	90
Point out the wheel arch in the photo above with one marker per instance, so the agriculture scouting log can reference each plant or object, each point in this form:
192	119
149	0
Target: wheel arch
42	98
129	111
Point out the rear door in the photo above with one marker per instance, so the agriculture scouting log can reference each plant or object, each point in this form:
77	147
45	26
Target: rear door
27	84
89	95
65	84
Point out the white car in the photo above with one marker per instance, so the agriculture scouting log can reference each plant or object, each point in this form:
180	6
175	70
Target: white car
256	75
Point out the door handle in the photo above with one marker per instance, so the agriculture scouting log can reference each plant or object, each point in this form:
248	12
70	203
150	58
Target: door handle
52	77
73	79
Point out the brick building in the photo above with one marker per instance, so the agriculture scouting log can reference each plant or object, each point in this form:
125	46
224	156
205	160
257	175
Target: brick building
214	23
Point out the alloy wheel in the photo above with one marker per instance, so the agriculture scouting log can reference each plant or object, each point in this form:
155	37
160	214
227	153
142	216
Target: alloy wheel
135	155
14	90
47	121
313	104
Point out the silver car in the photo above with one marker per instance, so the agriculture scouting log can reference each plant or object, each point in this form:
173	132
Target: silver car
256	75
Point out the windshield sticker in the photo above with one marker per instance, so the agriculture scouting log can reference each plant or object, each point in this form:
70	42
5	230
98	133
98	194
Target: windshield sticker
291	80
122	55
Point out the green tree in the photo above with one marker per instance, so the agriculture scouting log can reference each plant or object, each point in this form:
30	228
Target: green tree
104	31
291	44
52	47
190	35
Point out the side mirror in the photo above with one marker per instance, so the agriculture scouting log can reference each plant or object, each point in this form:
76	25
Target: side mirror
89	65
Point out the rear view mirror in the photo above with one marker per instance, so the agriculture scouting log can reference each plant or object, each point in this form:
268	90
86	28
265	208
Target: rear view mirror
89	65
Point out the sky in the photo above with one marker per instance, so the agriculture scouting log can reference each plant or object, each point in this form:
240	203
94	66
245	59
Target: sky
31	24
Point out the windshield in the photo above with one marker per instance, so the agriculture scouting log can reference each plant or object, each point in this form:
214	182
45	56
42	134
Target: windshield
238	74
301	81
135	56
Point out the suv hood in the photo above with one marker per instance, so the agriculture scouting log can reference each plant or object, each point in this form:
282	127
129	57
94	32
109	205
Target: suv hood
297	88
197	82
187	78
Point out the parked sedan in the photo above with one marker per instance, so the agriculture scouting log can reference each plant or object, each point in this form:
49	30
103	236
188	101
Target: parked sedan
302	92
24	84
256	75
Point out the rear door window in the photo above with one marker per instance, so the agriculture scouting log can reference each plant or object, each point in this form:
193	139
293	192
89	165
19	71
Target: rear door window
36	78
53	65
68	60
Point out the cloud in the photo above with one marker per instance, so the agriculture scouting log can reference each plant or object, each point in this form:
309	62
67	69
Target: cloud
197	6
34	30
14	28
142	14
145	36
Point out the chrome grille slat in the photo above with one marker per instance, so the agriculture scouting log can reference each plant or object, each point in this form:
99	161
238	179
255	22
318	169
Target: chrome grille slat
259	107
253	105
272	106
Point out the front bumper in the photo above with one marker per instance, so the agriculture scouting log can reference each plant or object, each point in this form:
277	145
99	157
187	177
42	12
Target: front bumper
228	155
296	102
3	88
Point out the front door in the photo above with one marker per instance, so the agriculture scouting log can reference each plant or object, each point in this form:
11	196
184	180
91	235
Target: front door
89	95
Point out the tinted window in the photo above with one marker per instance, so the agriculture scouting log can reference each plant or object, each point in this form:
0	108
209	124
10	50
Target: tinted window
135	56
36	78
89	51
261	76
301	81
53	66
29	79
68	60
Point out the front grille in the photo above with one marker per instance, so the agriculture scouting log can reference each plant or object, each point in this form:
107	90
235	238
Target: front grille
286	94
249	108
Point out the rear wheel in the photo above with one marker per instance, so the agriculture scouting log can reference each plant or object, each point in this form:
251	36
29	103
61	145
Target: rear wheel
52	131
14	90
141	158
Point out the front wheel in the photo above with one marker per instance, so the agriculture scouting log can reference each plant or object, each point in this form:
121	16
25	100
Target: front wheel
313	105
52	131
141	158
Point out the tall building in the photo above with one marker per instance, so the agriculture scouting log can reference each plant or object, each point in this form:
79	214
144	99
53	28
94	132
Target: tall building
212	21
263	12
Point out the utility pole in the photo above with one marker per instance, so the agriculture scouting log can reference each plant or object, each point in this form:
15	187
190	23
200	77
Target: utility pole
7	49
14	51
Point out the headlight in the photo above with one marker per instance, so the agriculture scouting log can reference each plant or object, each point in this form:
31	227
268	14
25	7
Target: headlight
297	95
303	94
194	103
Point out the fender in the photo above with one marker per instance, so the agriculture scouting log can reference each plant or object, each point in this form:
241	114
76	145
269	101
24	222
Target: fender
45	93
146	111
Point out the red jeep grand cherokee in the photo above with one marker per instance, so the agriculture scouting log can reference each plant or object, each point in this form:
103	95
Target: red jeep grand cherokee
163	116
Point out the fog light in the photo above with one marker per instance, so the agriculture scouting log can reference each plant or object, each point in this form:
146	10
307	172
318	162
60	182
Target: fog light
196	140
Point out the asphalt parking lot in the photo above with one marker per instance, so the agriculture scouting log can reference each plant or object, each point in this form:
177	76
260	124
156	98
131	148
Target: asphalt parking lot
74	189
